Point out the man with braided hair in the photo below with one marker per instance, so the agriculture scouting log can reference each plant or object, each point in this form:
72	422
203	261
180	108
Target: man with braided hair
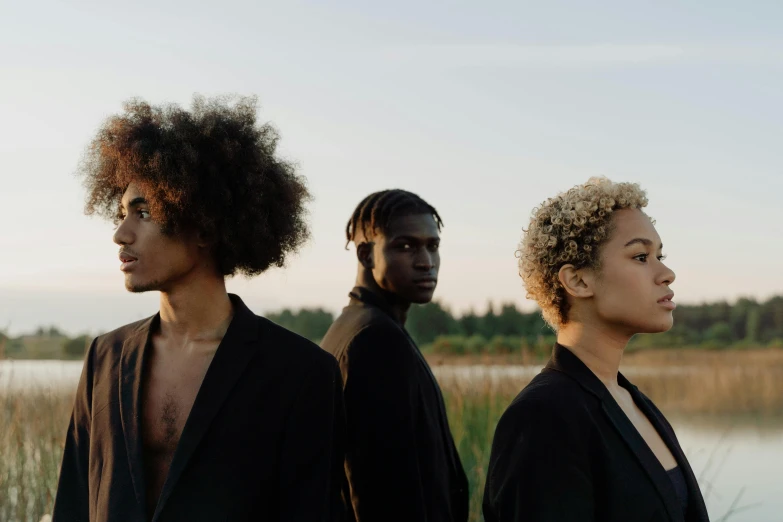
401	462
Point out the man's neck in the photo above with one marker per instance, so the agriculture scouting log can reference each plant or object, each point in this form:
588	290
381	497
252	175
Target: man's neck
598	347
196	312
398	308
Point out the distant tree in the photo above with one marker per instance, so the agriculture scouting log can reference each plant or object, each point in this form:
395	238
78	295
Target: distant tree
426	322
311	323
54	332
77	346
753	325
718	334
489	322
470	323
510	321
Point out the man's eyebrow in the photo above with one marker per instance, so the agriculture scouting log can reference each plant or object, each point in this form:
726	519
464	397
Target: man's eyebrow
416	239
135	201
642	240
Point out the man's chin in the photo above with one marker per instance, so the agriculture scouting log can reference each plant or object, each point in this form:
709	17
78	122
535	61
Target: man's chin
137	287
423	297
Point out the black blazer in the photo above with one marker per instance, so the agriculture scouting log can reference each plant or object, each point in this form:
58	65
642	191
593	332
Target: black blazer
565	451
262	442
401	461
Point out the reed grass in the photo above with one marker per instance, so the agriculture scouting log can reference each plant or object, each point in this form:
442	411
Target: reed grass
31	439
709	384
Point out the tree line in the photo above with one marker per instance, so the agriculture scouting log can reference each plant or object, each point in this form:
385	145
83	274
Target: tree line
746	322
501	328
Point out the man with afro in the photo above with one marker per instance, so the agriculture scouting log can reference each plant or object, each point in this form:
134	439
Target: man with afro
204	411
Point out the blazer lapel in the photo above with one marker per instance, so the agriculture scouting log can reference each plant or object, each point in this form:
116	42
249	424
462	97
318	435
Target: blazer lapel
131	368
563	360
695	499
645	456
232	356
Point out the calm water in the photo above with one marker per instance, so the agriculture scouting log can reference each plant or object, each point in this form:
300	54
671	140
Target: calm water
736	459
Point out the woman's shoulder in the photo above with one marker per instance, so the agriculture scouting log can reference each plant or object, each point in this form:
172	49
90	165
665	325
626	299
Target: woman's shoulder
552	398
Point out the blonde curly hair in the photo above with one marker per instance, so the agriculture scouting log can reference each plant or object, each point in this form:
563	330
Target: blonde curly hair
569	229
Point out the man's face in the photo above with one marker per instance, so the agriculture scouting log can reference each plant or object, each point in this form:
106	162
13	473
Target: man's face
406	258
151	260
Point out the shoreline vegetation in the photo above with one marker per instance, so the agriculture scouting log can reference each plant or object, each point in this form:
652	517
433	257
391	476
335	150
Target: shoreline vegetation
718	386
501	329
720	363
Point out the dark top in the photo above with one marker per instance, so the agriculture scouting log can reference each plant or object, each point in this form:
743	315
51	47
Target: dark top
564	450
680	486
401	462
263	440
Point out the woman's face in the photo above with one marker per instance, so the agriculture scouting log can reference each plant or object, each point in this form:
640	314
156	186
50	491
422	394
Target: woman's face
631	287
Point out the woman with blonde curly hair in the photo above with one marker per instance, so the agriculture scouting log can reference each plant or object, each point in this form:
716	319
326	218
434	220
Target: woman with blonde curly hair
581	443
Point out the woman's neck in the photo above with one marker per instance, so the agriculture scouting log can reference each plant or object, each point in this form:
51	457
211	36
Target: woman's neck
598	347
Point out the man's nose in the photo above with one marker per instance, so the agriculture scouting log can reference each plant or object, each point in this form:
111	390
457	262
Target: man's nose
424	259
123	235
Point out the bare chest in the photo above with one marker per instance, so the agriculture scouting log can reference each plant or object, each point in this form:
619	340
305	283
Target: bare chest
169	391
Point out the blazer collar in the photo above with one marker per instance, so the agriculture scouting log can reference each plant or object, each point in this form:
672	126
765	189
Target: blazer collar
565	361
134	350
232	356
361	295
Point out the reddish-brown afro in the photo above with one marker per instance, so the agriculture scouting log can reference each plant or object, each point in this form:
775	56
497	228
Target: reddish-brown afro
212	169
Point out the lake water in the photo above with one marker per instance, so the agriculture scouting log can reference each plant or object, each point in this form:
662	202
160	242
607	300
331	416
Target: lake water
736	459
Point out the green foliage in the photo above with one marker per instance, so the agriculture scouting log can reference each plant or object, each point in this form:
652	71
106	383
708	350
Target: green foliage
309	323
426	322
449	344
718	335
501	329
76	348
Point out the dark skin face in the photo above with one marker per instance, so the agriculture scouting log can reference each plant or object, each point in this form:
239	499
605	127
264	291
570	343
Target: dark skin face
152	260
401	264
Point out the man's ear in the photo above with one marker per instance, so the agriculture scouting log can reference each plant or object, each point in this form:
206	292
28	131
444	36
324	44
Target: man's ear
364	253
576	282
205	239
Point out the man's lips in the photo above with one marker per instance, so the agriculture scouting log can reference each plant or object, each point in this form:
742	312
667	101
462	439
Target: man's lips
127	261
666	301
426	282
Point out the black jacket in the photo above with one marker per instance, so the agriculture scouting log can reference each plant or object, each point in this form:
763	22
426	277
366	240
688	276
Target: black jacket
263	440
401	461
565	451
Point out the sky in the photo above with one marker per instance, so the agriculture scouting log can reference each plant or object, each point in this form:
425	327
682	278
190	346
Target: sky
485	109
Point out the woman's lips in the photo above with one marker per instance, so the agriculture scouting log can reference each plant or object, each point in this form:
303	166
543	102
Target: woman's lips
666	302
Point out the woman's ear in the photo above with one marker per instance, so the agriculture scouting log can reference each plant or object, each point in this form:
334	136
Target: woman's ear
364	253
576	282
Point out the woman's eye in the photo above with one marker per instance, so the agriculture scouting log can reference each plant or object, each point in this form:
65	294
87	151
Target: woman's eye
642	258
144	214
661	257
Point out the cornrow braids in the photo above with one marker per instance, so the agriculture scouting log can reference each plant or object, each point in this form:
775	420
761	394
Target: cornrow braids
376	211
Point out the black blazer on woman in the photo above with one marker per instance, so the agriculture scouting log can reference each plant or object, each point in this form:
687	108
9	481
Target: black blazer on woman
263	440
565	451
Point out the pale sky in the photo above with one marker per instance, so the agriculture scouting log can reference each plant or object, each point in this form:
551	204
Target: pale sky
485	109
